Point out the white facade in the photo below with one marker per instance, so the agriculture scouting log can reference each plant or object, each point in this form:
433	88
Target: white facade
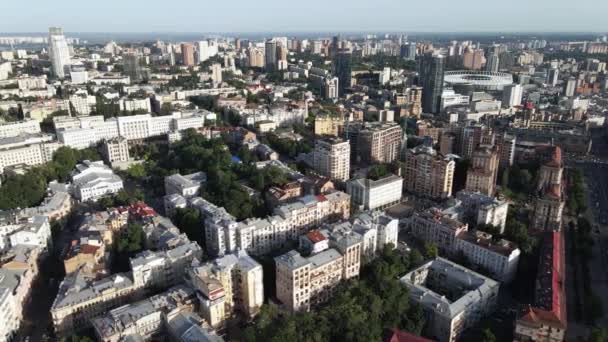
331	158
59	52
135	104
372	195
512	95
93	180
13	129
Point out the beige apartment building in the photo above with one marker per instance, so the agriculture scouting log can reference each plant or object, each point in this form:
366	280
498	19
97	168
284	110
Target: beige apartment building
304	282
481	176
331	158
428	173
374	142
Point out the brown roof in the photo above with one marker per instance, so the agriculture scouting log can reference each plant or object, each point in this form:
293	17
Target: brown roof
315	236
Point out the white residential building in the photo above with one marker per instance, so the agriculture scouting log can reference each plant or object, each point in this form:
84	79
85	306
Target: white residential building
13	129
375	194
93	180
115	150
512	95
59	52
162	269
27	149
128	104
331	158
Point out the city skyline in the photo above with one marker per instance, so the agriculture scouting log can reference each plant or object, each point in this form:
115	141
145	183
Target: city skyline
239	16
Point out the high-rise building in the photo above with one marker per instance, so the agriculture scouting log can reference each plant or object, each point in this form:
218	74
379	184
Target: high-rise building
408	51
132	67
256	58
331	158
570	88
492	62
428	173
473	59
549	205
553	77
216	73
511	96
373	142
343	69
331	88
59	51
431	80
187	54
481	176
270	56
203	51
415	101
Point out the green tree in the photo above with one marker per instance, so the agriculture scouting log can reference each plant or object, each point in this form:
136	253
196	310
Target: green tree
487	335
430	250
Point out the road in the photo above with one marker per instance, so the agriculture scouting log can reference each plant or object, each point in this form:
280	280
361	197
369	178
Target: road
37	319
596	183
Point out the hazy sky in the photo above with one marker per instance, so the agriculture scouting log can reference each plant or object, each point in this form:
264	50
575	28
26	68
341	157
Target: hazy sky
307	15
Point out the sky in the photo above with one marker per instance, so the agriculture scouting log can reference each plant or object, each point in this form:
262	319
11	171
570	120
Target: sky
305	16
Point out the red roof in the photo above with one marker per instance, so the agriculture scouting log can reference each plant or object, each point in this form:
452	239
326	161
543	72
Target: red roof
550	283
556	157
396	335
321	198
315	236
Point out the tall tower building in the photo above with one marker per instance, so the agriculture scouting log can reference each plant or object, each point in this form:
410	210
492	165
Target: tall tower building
428	173
431	80
492	62
256	58
553	77
203	51
512	95
270	55
216	73
331	158
59	51
570	87
408	51
132	68
187	54
343	69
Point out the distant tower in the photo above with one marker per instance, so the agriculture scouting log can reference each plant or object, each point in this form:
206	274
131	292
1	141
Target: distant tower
132	68
493	62
271	55
343	70
431	80
59	51
187	54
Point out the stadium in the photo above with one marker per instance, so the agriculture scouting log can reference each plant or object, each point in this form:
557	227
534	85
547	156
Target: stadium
477	80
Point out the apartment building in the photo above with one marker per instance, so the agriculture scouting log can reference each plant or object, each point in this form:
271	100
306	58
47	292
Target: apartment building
146	318
428	173
375	194
331	158
452	236
373	142
93	180
550	201
17	273
135	104
80	133
304	282
328	125
453	297
115	150
478	209
13	129
482	175
162	269
261	235
228	285
80	299
27	149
